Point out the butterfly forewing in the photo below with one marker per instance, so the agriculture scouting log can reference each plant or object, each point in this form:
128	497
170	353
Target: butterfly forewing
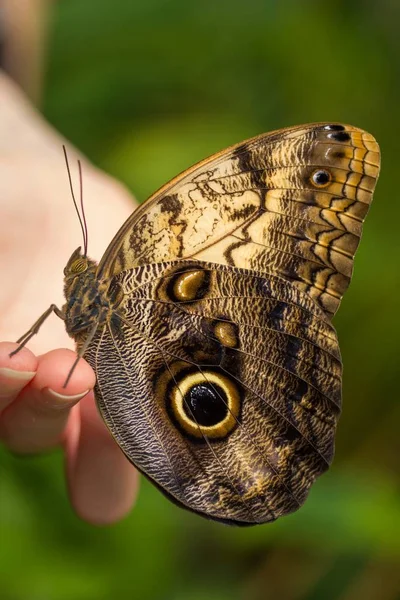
290	203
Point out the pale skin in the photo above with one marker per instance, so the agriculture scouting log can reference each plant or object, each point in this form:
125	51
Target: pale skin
39	231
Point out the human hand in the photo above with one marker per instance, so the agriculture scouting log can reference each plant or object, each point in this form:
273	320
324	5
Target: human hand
39	231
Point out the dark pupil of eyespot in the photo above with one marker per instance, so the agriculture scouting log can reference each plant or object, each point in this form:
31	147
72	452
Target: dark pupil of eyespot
205	404
334	127
321	177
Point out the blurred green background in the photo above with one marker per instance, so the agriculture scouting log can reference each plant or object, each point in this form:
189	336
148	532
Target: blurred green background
145	88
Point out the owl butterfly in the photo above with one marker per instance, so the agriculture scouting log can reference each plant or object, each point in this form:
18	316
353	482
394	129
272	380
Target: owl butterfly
208	320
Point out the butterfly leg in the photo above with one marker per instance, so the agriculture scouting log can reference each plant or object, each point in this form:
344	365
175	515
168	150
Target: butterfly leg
82	351
24	339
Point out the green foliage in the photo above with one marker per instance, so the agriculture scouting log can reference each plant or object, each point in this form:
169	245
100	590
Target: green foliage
146	89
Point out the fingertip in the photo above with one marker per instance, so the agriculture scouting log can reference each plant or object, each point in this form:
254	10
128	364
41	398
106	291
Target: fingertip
35	415
55	366
102	482
16	372
23	360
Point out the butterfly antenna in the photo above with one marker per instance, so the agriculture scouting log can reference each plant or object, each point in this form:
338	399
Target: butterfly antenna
73	198
85	235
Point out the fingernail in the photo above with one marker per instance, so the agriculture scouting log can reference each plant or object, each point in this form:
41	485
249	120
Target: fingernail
56	400
10	380
17	375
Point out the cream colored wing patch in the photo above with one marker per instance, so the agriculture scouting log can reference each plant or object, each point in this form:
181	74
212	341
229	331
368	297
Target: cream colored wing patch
289	203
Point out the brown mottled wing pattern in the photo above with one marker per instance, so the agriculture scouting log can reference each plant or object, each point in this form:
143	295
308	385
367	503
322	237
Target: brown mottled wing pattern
218	369
269	361
263	205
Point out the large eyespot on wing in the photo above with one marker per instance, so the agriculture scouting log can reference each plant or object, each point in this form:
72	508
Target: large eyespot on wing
202	403
291	202
221	385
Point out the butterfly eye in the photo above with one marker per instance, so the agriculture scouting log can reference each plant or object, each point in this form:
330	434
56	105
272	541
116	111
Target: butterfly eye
321	178
78	266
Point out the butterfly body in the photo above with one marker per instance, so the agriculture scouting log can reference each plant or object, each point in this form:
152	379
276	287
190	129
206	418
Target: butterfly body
208	320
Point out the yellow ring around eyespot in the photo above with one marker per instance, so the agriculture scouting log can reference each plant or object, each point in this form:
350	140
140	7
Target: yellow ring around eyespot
320	186
221	429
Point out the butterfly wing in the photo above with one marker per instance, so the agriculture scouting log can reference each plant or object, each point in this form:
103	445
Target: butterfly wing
289	203
221	385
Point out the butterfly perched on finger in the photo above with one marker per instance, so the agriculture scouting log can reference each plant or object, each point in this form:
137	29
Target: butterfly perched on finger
208	321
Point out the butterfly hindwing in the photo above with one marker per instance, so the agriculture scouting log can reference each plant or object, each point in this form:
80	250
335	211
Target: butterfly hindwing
223	386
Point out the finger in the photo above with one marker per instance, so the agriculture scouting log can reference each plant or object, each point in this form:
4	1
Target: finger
36	419
15	372
102	482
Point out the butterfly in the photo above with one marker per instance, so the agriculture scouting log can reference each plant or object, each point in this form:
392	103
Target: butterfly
208	321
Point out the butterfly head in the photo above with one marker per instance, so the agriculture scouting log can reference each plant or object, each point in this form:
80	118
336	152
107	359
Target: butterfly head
79	274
